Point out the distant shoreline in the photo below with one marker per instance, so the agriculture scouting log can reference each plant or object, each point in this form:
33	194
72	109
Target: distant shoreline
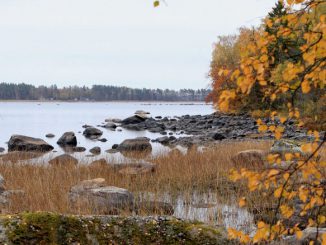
108	101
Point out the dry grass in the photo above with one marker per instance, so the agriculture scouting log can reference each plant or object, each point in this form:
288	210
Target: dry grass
46	187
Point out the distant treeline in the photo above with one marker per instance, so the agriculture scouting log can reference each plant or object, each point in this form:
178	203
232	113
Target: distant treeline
10	91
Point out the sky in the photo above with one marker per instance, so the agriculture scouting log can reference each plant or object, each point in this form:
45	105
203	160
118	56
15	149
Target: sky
117	42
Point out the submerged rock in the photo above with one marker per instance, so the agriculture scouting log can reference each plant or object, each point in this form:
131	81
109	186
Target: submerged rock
25	143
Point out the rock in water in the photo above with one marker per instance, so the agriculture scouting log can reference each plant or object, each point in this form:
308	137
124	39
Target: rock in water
95	150
92	132
64	160
68	139
49	135
133	120
25	143
137	144
110	125
100	199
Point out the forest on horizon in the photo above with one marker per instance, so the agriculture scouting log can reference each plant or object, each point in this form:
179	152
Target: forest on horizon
22	91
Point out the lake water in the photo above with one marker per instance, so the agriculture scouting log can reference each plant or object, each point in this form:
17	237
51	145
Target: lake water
36	119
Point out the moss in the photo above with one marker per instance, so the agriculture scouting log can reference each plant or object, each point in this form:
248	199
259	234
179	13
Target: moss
50	228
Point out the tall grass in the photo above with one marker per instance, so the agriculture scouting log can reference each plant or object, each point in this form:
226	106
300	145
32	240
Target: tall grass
46	187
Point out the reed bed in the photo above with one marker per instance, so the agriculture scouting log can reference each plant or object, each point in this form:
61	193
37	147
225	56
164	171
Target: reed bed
46	187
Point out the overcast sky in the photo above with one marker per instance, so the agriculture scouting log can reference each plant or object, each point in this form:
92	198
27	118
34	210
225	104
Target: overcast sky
117	42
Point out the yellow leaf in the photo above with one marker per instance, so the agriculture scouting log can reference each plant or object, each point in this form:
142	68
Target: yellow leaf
299	234
286	176
286	211
272	128
242	202
288	156
156	4
273	172
283	119
305	86
273	97
262	128
278	192
264	58
278	135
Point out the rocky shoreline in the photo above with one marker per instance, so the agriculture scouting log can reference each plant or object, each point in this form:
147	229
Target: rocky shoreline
185	131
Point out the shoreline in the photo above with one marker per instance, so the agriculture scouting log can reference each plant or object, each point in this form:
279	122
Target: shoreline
108	101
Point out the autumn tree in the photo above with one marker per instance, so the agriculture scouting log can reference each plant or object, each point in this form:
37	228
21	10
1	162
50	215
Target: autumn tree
287	61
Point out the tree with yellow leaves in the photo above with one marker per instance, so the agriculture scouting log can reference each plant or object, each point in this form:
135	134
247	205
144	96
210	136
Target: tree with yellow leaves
287	60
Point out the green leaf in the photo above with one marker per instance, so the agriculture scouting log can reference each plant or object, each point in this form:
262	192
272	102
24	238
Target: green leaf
156	4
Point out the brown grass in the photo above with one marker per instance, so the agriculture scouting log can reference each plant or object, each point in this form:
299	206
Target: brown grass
46	187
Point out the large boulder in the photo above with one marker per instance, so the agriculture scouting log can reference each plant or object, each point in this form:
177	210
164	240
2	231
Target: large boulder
252	159
133	120
92	132
68	139
64	160
25	143
137	144
99	199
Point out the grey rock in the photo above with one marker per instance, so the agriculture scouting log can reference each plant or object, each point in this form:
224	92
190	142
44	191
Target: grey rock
110	125
95	150
49	135
25	143
92	132
133	120
137	144
2	149
103	140
68	139
92	194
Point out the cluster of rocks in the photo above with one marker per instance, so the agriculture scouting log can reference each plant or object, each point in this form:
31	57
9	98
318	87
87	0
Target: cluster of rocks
206	129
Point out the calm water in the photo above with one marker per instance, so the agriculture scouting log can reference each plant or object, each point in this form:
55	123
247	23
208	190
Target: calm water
36	119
